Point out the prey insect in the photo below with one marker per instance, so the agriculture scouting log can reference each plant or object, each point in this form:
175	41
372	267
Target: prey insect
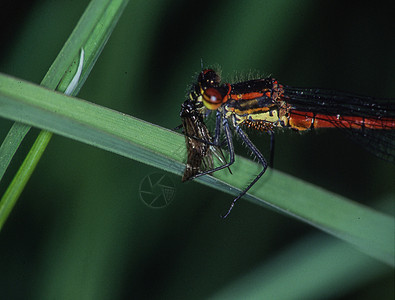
201	151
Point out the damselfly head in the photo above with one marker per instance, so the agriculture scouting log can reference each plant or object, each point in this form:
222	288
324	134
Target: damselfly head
209	78
209	90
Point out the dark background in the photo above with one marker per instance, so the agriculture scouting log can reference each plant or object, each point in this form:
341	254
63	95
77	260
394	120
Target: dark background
80	230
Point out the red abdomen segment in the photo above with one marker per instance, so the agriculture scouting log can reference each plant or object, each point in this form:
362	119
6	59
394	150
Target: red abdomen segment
307	120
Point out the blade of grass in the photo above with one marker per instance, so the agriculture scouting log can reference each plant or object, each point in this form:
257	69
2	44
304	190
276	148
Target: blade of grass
368	230
10	144
92	32
14	190
29	164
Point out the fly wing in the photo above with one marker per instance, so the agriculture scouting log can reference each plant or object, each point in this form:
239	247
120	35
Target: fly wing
202	155
198	153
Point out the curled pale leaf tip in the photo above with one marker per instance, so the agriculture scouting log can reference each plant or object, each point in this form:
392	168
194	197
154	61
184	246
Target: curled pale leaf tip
73	84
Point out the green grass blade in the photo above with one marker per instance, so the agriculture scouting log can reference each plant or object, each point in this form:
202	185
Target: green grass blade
21	178
91	33
368	230
90	123
10	145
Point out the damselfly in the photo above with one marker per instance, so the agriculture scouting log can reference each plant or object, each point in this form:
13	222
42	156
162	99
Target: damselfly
264	105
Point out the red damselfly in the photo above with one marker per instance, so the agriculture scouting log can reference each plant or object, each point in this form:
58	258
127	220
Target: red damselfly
265	104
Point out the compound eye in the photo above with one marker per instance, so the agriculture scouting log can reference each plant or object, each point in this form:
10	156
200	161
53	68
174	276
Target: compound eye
212	98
